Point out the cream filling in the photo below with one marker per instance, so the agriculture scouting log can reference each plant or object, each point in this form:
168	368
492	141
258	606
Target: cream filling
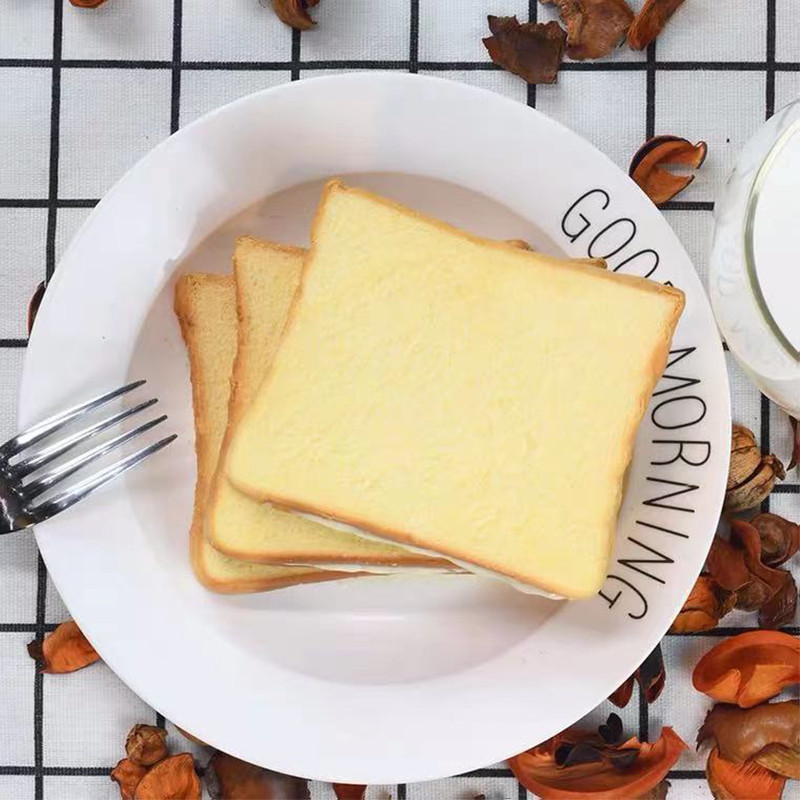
345	527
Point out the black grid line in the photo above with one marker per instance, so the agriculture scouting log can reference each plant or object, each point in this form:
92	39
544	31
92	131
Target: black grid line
295	65
177	42
413	36
55	136
533	16
650	93
57	771
522	792
770	54
38	679
786	488
723	631
401	791
44	202
13	342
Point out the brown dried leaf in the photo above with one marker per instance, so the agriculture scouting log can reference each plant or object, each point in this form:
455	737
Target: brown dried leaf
756	488
295	13
779	609
33	305
349	791
780	538
749	781
621	696
127	775
795	460
741	733
174	778
705	606
650	21
66	649
146	744
781	760
594	27
532	50
647	166
240	780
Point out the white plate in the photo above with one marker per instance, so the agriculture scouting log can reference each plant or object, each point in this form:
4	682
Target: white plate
383	679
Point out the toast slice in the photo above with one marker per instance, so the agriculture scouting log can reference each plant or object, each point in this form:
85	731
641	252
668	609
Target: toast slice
267	276
457	395
206	309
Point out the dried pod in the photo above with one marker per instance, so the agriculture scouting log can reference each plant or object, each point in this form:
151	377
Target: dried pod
235	779
705	606
745	455
349	791
146	744
295	13
756	488
594	27
742	733
781	760
647	166
174	778
795	460
749	668
779	609
741	781
127	776
780	538
753	595
532	50
650	21
64	650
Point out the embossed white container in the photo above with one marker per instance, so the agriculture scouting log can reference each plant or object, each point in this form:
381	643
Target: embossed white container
754	278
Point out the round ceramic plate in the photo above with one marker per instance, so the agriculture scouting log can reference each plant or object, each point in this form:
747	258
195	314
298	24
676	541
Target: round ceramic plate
383	679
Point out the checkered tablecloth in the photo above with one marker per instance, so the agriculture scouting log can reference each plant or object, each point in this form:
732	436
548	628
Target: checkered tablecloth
85	93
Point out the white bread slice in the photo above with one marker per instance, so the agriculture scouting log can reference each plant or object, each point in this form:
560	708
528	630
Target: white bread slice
458	395
206	309
267	276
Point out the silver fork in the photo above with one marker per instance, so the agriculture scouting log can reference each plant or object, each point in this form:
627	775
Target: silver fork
18	506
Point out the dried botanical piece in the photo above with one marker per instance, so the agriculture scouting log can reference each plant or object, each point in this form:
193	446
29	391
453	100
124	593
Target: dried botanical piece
295	13
240	780
749	668
127	776
781	759
598	770
146	744
87	3
795	460
647	166
730	781
33	305
349	791
191	737
780	538
64	650
742	733
650	21
532	50
174	778
779	609
594	27
650	676
656	793
705	606
757	487
745	455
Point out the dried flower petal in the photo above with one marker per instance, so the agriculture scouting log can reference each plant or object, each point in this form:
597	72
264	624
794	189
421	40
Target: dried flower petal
240	780
349	791
64	650
532	50
745	455
650	676
780	538
174	778
795	460
705	606
650	21
146	744
295	13
647	166
537	771
781	760
741	733
127	775
757	487
749	668
779	609
748	781
621	696
594	27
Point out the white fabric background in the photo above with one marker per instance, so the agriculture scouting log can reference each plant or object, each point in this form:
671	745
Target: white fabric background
84	93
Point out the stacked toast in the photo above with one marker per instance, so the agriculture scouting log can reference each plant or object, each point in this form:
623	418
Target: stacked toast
405	396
